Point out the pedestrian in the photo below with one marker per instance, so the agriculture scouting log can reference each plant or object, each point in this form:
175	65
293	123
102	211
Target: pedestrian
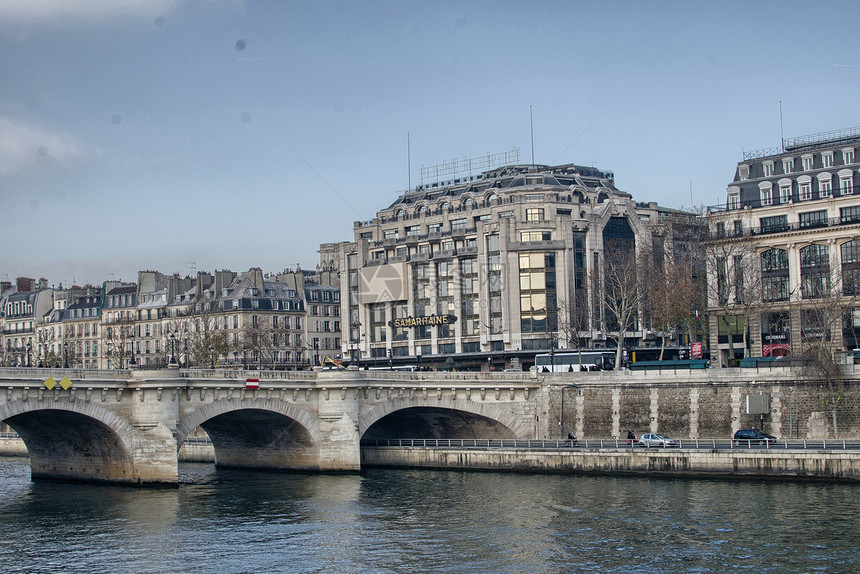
631	438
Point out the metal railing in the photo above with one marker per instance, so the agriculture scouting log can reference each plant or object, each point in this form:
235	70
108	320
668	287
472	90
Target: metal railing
616	443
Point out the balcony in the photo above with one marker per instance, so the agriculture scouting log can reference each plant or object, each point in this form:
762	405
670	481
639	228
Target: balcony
795	226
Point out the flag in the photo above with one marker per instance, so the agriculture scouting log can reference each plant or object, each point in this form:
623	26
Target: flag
697	312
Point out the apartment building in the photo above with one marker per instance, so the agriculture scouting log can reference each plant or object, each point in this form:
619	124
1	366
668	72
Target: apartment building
784	247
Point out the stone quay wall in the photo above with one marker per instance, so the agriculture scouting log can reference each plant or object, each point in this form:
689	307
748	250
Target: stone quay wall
707	403
746	464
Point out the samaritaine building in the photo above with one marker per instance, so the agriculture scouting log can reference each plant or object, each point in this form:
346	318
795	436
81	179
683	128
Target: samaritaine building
784	254
492	269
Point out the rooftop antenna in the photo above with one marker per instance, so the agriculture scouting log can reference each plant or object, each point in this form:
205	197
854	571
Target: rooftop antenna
408	161
193	266
532	129
781	133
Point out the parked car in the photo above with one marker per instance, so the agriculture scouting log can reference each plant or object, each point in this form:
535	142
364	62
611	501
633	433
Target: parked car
655	439
752	436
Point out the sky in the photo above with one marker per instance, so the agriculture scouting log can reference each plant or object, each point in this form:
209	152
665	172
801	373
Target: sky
200	135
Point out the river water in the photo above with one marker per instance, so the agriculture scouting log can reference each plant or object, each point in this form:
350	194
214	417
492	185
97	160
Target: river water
228	522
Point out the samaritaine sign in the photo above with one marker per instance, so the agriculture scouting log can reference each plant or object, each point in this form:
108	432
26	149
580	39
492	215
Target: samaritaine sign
423	321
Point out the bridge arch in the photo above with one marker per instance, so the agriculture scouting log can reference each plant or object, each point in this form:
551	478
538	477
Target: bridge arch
73	440
257	433
464	414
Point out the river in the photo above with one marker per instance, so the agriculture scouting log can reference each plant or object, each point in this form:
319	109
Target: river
408	521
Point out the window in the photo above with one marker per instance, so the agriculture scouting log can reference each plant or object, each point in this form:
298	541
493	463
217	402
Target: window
848	155
813	219
846	182
458	224
807	162
787	165
413	230
825	187
804	191
768	168
390	234
814	271
827	159
849	214
739	228
850	252
534	214
537	292
534	197
743	171
535	236
774	272
734	198
774	224
784	192
765	189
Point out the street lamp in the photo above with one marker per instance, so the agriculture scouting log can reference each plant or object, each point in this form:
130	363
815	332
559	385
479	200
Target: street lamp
131	362
172	349
212	353
244	357
29	346
65	355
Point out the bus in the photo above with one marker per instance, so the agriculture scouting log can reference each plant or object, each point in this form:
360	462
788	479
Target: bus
578	361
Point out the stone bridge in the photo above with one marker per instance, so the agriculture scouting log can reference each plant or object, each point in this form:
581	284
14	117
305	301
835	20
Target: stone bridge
126	426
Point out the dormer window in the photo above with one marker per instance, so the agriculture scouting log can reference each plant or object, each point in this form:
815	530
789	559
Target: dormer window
734	198
788	165
768	168
825	185
766	192
827	159
807	162
804	188
848	155
743	171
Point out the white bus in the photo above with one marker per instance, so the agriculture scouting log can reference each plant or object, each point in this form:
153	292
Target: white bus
576	361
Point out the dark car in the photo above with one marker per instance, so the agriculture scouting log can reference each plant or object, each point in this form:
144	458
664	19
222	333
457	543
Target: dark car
752	436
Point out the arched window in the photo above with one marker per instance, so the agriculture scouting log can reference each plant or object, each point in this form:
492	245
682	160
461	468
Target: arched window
774	275
850	252
814	271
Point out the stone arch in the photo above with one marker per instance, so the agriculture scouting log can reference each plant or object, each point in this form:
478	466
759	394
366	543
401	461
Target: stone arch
497	412
116	423
192	420
74	440
257	433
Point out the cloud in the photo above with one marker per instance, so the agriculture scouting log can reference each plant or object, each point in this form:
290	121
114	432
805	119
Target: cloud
41	10
24	145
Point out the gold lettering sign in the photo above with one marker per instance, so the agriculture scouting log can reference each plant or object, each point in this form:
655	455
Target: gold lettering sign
430	320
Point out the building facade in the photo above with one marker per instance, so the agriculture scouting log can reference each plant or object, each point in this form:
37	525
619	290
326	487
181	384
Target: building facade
490	270
784	250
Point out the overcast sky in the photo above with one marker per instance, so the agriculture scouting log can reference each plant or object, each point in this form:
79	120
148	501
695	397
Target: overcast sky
221	134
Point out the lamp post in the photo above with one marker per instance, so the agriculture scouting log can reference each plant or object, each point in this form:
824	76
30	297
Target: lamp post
29	347
65	355
212	354
356	337
172	349
131	362
244	357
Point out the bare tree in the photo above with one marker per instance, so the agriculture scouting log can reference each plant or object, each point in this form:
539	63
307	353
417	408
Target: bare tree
671	293
116	342
734	287
822	314
622	291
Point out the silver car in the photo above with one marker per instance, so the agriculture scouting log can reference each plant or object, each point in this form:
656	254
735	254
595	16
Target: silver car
655	439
